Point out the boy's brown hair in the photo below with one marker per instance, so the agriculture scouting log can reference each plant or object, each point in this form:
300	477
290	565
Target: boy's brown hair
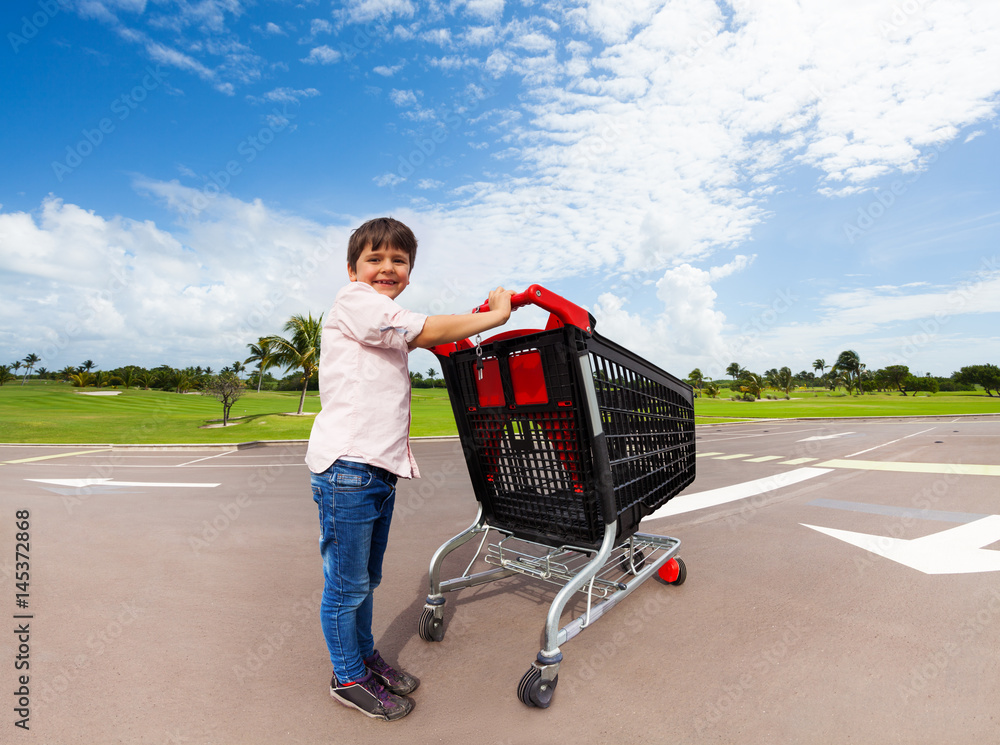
382	231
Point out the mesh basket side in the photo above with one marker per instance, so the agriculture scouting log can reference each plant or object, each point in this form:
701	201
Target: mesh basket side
648	421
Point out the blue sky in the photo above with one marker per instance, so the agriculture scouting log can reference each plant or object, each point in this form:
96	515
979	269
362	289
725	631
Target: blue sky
757	182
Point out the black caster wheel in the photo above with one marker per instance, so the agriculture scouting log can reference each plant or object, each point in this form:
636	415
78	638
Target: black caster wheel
431	629
673	572
533	691
638	558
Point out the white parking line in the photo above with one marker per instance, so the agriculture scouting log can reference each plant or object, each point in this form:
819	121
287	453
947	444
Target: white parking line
958	469
713	497
207	457
862	452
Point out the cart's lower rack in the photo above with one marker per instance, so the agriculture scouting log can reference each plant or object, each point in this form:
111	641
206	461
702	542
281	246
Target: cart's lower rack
558	566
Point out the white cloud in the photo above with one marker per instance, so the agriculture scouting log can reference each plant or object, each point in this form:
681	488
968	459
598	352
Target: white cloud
362	11
439	36
427	183
284	95
485	10
388	71
274	29
319	26
403	97
132	292
323	55
388	179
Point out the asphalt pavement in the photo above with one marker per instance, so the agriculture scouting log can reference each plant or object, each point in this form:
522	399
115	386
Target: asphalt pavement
842	587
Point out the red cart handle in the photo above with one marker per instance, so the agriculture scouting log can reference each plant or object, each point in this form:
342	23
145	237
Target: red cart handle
562	313
562	309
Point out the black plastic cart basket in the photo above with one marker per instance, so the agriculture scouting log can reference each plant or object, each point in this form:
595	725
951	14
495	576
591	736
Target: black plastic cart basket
570	441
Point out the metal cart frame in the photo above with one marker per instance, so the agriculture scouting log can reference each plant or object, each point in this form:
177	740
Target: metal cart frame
562	484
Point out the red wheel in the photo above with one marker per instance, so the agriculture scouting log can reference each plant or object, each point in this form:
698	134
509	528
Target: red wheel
673	572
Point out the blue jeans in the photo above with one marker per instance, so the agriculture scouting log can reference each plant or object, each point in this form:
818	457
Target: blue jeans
355	503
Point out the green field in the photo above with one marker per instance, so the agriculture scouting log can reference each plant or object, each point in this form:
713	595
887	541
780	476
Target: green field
821	403
49	412
56	412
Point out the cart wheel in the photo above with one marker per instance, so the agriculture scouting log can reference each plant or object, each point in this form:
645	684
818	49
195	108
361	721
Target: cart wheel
431	629
533	691
638	558
672	572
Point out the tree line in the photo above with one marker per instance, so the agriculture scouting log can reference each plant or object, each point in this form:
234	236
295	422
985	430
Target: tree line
850	373
297	352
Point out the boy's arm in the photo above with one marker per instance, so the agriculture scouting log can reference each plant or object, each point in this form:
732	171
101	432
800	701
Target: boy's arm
444	329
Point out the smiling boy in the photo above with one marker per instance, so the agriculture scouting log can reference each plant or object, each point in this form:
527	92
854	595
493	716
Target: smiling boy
359	446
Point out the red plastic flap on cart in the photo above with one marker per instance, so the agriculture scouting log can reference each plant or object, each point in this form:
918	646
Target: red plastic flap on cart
489	387
528	379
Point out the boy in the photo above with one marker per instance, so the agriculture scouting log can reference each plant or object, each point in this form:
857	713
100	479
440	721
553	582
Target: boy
359	445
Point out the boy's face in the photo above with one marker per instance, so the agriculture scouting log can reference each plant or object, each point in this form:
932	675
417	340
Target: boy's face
387	269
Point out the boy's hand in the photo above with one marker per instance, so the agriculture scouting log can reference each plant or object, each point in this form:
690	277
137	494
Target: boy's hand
500	300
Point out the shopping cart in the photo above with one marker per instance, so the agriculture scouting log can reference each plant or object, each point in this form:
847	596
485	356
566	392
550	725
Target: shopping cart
570	441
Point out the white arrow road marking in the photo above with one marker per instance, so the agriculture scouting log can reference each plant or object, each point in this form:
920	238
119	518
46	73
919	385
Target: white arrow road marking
953	551
700	500
79	483
826	437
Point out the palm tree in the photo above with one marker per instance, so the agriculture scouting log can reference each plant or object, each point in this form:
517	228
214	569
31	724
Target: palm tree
734	370
301	350
182	381
128	376
849	365
81	379
784	381
751	383
15	366
87	366
696	379
146	378
29	362
431	373
263	355
820	365
5	374
42	372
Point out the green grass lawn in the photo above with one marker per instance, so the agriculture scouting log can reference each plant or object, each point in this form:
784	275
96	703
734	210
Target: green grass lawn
821	403
56	412
49	412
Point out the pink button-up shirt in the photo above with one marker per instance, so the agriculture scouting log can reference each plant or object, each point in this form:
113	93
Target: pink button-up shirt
364	383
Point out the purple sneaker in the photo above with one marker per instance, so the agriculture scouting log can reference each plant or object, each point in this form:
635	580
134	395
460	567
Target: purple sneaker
370	697
396	681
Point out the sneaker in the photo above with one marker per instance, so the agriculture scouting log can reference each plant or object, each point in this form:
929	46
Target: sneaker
370	697
395	681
